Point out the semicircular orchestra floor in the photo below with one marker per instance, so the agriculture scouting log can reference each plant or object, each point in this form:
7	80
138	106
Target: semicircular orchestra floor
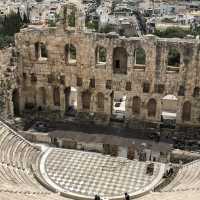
87	173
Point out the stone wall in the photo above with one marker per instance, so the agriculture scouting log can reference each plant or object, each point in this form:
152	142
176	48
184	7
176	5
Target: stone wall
8	82
45	80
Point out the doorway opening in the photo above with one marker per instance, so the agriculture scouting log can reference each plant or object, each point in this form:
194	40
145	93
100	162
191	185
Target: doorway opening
15	100
118	106
70	101
169	111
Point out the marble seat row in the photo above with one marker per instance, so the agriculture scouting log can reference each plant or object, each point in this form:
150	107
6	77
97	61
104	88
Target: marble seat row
179	195
22	196
187	178
152	196
15	150
16	157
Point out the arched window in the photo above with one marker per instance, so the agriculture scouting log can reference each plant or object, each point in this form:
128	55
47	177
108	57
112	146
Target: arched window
86	98
173	59
186	112
100	101
120	60
196	92
56	96
140	56
151	108
40	50
70	53
101	54
136	105
43	48
72	17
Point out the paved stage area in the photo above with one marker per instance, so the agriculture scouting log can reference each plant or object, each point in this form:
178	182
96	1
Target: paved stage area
85	174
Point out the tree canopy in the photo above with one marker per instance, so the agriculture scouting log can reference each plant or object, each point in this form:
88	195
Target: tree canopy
172	32
9	25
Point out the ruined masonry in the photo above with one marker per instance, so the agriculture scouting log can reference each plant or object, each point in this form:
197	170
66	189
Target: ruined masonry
101	67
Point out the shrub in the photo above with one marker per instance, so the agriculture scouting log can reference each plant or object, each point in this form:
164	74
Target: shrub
172	32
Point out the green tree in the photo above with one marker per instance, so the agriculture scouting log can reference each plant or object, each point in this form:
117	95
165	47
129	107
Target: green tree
51	23
12	24
9	25
106	29
92	25
172	32
25	19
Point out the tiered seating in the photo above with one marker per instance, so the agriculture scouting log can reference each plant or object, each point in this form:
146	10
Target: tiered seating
182	195
188	178
16	157
20	176
14	149
22	196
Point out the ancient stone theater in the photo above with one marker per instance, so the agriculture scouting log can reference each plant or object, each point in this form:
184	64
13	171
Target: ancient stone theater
88	82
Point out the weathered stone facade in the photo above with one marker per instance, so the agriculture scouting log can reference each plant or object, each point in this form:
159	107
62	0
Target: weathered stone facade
48	69
8	81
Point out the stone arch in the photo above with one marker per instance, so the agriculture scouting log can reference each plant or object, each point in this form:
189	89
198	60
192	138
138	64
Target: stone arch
70	53
15	100
120	60
100	54
136	105
140	56
30	97
118	104
100	101
67	92
169	108
196	92
169	103
151	107
186	111
174	57
42	96
70	100
86	99
56	96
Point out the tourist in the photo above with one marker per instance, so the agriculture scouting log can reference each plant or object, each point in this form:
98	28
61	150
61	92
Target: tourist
127	197
97	197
